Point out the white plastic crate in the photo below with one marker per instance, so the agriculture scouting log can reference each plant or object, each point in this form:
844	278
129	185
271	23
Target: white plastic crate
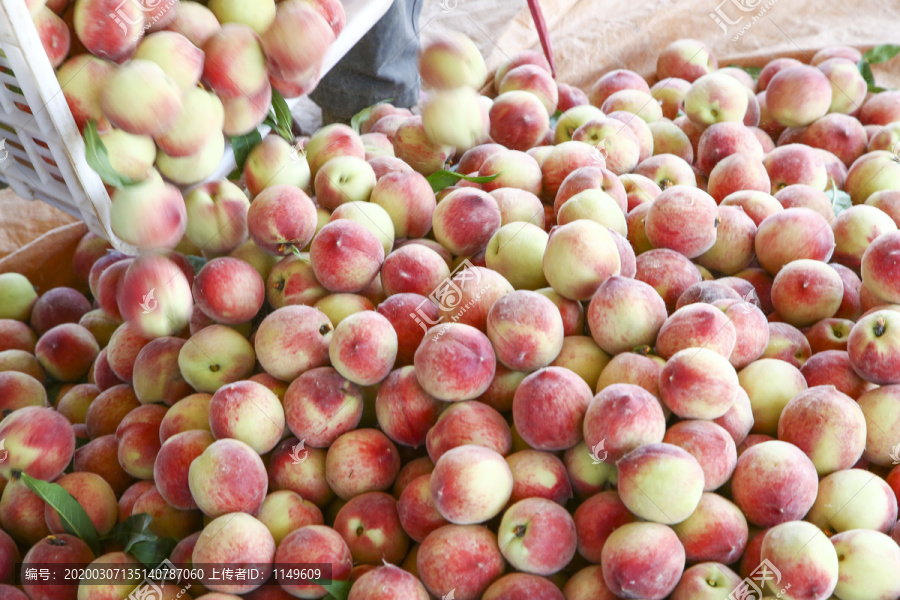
44	154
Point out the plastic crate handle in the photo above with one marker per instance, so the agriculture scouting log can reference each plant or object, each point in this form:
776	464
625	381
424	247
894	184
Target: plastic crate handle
538	16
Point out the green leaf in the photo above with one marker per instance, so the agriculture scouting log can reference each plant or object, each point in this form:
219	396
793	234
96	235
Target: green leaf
297	252
242	146
751	71
364	114
443	179
153	552
197	262
555	119
135	535
865	70
71	514
283	117
340	590
840	200
882	53
98	158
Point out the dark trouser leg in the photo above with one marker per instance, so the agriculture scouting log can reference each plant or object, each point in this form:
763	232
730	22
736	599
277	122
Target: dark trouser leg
381	66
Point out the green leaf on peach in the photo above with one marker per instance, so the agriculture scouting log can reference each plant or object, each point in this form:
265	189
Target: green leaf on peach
840	200
97	157
242	145
364	114
71	514
882	53
444	179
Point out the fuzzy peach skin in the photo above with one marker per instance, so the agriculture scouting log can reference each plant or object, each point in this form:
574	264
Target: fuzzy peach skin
292	340
805	558
770	384
792	234
283	511
774	482
698	383
549	408
112	588
405	412
539	475
868	565
388	583
697	325
39	440
537	536
621	418
711	445
683	219
455	362
307	478
705	581
464	559
853	499
414	269
320	405
157	377
668	272
526	330
580	256
215	356
370	525
874	347
66	351
214	485
624	314
249	412
595	520
642	560
173	463
94	494
477	288
827	425
470	422
416	509
470	484
363	347
346	256
233	540
806	291
716	531
660	482
363	460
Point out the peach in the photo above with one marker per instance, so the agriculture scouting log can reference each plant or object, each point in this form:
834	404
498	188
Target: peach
588	477
802	195
855	229
408	199
468	423
516	585
451	60
100	324
734	247
412	145
767	399
595	519
668	138
853	499
888	201
301	470
877	406
832	367
668	272
624	314
293	281
114	41
405	412
669	92
513	169
872	347
804	558
214	356
454	216
408	314
878	269
54	307
125	580
798	95
518	120
235	63
829	334
24	362
140	98
871	173
523	339
17	335
757	205
587	584
711	445
796	163
40	442
413	269
774	482
53	551
82	78
108	409
685	58
22	513
537	536
589	253
313	544
370	526
363	348
281	217
171	468
699	326
258	15
303	331
197	23
464	347
101	456
752	331
212	484
284	511
669	468
410	471
66	351
156	375
235	539
470	484
216	216
621	418
859	572
698	383
566	158
716	531
320	405
549	408
354	248
73	404
388	583
538	475
839	134
360	461
810	238
682	219
596	178
456	118
593	205
705	580
715	98
516	251
249	412
275	162
806	291
150	214
581	355
179	58
202	116
642	560
94	494
416	509
787	343
187	414
476	562
154	297
138	437
18	390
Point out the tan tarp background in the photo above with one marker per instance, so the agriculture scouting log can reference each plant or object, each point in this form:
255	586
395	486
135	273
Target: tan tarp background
589	37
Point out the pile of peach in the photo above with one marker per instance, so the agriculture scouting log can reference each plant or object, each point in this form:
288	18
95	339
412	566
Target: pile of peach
166	81
647	351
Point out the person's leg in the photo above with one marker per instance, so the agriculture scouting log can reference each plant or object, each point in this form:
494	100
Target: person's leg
381	66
